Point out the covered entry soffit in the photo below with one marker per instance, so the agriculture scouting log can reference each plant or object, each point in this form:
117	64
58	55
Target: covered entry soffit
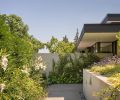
93	33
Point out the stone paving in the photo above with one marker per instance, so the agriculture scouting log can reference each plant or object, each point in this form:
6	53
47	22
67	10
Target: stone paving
65	92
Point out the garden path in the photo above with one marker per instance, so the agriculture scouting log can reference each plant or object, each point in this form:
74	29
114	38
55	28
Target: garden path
65	92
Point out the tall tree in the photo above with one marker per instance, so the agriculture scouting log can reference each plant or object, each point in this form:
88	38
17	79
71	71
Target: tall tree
65	39
16	25
76	39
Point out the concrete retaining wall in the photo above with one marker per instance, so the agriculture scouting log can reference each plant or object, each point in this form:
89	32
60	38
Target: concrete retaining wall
92	84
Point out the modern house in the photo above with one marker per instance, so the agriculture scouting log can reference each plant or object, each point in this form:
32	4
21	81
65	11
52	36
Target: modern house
100	38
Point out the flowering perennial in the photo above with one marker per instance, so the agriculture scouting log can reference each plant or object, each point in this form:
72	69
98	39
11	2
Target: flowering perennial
38	63
2	87
108	60
4	62
26	70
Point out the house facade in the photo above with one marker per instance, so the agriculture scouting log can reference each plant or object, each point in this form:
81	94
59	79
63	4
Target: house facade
100	38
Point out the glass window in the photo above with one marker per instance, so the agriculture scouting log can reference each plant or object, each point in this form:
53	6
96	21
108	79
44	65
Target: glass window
106	47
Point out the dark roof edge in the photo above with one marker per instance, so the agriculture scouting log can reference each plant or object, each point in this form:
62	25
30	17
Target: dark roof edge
109	17
98	28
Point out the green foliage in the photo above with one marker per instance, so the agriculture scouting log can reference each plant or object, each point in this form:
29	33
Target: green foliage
112	72
109	93
76	39
69	69
64	47
118	37
21	47
15	38
60	47
52	44
106	70
65	39
19	86
38	77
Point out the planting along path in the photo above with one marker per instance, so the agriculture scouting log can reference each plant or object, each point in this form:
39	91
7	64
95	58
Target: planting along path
65	92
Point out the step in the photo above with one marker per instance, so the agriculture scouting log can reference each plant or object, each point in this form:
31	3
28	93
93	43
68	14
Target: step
54	98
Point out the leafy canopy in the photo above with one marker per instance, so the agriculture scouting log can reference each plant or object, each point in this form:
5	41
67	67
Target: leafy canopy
21	47
60	47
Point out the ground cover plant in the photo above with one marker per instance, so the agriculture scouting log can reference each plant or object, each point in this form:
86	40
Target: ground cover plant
17	48
69	69
109	67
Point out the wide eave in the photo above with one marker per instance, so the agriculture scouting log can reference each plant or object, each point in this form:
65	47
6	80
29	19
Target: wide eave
92	33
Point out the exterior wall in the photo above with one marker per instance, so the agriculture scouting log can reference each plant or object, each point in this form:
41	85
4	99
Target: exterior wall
48	60
92	84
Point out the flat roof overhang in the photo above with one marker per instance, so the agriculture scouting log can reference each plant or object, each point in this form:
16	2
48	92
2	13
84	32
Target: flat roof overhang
110	18
93	33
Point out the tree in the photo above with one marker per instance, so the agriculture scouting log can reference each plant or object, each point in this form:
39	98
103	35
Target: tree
15	83
15	38
76	39
52	44
16	25
20	30
60	47
65	39
64	48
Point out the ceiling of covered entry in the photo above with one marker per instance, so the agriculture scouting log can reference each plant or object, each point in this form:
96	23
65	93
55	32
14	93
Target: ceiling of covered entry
91	38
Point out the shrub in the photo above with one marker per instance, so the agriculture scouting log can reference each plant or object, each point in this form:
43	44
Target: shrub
108	60
17	81
69	69
37	71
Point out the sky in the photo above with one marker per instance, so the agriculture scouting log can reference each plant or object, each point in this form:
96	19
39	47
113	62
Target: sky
47	18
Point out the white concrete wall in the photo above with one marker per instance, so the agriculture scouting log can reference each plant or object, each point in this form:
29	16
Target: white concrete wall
48	60
92	84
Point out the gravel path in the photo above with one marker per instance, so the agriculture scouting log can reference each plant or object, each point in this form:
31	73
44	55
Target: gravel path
65	92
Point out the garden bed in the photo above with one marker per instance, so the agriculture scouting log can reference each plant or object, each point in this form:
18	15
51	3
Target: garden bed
94	84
